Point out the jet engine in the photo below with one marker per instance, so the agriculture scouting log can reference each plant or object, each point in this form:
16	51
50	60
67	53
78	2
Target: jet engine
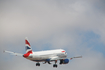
64	61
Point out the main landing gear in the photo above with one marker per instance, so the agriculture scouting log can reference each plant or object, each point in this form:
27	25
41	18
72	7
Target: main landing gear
37	64
55	65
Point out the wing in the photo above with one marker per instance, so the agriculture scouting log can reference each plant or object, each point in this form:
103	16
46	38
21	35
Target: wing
13	53
58	58
76	57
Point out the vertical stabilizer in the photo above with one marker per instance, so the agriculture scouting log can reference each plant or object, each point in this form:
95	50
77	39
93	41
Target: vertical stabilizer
28	46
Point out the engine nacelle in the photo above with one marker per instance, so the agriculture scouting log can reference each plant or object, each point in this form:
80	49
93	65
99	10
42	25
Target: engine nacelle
47	60
64	61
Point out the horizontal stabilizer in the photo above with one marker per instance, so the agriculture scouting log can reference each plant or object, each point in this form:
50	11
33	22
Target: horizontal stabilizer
13	53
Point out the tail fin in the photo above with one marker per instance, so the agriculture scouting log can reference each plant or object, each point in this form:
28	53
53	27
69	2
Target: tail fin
28	46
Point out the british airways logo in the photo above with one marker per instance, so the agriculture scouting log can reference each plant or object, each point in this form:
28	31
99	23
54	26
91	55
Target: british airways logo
27	48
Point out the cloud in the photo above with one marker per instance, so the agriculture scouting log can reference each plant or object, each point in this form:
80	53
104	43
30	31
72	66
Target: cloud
53	24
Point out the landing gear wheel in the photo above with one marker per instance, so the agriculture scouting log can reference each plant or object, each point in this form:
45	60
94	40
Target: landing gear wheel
55	65
37	64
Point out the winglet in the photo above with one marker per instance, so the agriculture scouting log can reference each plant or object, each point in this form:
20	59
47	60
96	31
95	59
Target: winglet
3	51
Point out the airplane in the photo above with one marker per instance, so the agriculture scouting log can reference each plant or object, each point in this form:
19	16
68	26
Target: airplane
44	56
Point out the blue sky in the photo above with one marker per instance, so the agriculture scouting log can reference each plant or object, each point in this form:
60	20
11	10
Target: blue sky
74	25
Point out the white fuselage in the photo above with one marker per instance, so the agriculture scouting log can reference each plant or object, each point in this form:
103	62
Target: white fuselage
49	54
